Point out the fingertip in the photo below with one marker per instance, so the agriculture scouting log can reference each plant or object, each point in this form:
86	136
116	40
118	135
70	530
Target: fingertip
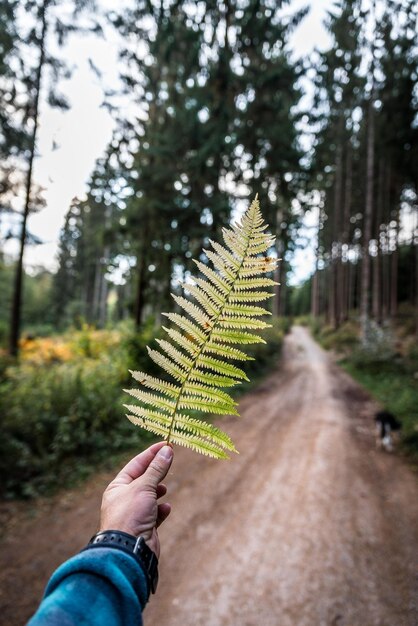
166	452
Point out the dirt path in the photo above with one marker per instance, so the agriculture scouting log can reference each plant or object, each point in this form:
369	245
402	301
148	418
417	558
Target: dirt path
309	525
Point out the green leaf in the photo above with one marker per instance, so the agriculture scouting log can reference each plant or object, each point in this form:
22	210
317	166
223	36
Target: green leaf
206	340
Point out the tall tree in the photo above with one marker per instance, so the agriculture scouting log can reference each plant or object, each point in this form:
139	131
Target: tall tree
33	44
219	90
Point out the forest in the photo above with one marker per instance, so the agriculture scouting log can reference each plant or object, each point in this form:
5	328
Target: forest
189	114
217	106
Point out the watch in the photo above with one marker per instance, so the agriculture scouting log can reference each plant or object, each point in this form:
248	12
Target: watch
132	545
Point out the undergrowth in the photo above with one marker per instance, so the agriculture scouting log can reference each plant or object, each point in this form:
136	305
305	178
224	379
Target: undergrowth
61	407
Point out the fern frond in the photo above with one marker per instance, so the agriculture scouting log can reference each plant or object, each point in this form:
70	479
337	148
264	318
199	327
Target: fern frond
206	336
203	429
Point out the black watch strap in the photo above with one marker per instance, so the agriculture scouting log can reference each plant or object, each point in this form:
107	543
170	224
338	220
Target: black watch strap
132	545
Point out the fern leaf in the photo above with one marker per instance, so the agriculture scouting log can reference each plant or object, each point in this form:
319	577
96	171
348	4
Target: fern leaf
155	383
168	365
146	413
211	291
229	258
205	338
238	322
218	262
255	283
241	309
211	379
203	429
216	280
250	296
227	352
220	367
206	407
210	307
194	311
210	393
229	336
175	354
153	426
198	444
153	400
191	329
191	347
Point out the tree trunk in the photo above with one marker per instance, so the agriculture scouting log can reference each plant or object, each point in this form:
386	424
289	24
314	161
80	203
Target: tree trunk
394	268
315	292
368	211
367	225
345	263
141	273
335	244
386	244
16	310
104	290
377	301
415	242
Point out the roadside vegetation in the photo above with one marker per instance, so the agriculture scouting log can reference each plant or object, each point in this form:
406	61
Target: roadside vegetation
386	365
62	405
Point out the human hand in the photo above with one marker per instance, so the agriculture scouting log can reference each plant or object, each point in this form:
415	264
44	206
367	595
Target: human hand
130	501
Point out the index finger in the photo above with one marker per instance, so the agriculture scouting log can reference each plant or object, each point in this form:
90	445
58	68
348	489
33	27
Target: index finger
137	466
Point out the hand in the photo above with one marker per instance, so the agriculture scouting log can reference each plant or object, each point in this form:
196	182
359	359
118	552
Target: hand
130	501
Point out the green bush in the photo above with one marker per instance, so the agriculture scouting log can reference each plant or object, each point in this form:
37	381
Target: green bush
342	339
58	418
61	418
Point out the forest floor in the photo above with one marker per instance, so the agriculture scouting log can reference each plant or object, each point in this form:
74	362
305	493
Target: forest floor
309	525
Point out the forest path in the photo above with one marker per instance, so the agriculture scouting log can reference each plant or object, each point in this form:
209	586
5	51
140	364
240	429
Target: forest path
309	525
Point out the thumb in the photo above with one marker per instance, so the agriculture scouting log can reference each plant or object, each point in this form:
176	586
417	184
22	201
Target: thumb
158	468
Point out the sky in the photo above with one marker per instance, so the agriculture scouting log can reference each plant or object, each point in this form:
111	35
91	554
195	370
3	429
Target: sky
70	142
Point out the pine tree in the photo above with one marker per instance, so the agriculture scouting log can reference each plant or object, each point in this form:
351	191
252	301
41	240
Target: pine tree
33	45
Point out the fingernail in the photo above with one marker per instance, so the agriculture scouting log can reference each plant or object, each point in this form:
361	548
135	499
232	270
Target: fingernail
166	452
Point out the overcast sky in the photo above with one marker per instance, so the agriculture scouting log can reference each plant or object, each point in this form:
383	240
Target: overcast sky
70	142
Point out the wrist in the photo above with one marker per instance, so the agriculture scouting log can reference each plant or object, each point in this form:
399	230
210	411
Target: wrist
135	546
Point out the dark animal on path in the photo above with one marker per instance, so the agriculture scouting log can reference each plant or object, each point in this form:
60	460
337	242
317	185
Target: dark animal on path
386	423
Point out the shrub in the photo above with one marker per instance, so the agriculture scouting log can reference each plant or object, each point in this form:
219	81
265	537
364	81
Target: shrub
342	339
62	408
